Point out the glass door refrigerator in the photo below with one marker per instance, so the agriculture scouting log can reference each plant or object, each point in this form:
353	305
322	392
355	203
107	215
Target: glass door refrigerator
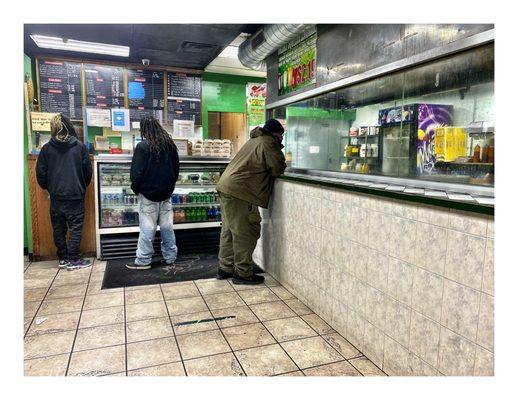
408	138
196	207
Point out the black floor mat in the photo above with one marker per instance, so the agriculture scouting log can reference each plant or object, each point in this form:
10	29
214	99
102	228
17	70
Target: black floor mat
188	267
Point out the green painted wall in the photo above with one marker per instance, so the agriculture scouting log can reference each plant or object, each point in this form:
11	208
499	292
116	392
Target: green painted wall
223	93
27	222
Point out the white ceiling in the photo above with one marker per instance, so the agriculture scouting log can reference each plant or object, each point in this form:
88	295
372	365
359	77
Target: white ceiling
231	65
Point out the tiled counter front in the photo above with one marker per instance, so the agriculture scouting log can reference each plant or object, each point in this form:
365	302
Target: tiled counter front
410	285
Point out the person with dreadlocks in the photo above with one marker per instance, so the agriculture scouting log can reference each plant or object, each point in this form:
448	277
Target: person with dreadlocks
63	169
154	171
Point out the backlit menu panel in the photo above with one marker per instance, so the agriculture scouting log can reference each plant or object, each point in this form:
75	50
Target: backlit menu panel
145	93
60	87
104	86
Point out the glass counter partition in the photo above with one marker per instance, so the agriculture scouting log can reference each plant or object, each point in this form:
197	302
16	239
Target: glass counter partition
432	122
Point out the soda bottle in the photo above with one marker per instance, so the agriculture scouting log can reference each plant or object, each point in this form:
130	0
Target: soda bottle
181	213
205	214
218	214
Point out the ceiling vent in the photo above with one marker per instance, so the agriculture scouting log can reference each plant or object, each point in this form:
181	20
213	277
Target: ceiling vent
194	47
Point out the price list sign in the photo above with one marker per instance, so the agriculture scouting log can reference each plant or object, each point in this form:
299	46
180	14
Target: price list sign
60	88
145	93
104	86
184	97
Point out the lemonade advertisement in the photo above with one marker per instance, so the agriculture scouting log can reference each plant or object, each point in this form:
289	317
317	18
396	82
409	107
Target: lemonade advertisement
255	104
297	63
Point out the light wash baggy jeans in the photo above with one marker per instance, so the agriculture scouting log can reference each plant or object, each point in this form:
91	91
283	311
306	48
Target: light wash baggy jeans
151	212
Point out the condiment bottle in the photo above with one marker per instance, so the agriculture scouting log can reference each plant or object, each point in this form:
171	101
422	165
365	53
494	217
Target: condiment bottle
485	150
476	154
491	155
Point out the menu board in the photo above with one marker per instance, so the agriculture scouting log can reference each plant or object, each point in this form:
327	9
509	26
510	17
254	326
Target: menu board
145	93
187	86
184	110
184	97
104	86
60	87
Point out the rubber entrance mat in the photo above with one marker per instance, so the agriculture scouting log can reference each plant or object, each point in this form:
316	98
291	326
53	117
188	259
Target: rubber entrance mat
186	268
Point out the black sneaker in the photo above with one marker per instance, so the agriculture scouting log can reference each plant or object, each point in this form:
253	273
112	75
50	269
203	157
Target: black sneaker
78	263
132	265
63	263
223	274
165	263
252	280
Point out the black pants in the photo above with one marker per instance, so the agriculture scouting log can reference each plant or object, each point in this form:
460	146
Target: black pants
67	215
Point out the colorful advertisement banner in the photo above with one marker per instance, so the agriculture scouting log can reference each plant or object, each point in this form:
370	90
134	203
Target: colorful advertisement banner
255	104
297	63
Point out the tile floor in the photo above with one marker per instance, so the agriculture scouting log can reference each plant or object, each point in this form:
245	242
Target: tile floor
193	328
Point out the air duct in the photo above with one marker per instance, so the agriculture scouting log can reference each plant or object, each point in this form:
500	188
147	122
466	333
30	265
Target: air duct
253	52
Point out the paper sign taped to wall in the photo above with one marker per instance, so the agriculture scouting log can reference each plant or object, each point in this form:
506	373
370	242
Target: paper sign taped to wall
98	117
40	121
120	119
183	128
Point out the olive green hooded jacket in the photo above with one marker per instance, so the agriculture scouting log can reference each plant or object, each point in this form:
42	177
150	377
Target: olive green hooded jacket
250	175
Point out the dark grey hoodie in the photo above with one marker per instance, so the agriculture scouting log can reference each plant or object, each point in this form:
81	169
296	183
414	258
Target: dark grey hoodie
63	169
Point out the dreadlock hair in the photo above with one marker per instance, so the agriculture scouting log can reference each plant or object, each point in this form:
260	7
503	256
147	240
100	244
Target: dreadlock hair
61	128
158	138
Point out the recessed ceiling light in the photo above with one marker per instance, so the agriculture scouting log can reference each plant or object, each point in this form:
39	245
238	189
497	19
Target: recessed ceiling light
49	42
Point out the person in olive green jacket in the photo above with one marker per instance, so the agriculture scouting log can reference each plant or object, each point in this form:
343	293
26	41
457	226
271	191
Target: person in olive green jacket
245	185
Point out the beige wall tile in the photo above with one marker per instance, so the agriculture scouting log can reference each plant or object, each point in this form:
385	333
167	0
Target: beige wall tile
424	338
358	260
403	239
460	309
397	324
358	225
488	275
342	220
431	248
485	335
380	230
400	278
377	270
375	307
373	343
328	214
433	215
357	293
456	354
468	222
465	259
491	227
427	292
395	358
418	367
355	329
484	362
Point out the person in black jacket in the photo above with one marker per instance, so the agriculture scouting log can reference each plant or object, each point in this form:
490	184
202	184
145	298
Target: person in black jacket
154	171
63	169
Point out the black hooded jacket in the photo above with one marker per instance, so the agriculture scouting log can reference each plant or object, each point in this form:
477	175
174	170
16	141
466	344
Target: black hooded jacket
154	177
63	169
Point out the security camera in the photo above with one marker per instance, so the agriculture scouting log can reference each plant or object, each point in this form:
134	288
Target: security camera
145	62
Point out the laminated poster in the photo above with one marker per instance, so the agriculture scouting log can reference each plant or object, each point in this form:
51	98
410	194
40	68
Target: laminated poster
120	119
297	63
98	117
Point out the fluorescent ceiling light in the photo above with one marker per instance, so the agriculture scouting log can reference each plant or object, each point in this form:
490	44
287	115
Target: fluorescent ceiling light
229	52
49	42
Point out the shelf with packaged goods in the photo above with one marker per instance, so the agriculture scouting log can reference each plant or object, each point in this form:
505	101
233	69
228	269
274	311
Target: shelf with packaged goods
358	137
366	157
196	186
482	164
